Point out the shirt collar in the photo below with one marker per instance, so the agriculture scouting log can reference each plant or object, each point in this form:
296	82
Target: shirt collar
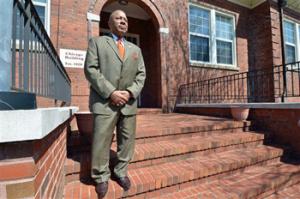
115	37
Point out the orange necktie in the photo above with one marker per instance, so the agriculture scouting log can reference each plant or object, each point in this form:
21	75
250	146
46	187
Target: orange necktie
121	48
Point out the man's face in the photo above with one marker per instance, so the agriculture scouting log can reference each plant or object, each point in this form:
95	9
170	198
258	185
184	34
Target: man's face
118	23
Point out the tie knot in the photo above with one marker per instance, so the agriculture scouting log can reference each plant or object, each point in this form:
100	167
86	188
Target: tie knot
120	42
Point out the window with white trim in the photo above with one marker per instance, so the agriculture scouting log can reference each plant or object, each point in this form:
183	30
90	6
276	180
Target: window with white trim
292	41
43	9
212	36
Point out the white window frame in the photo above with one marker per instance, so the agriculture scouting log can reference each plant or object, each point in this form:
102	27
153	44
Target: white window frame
297	39
213	39
136	36
47	13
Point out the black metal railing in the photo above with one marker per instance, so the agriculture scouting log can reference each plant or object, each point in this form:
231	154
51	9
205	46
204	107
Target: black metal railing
252	86
287	85
36	67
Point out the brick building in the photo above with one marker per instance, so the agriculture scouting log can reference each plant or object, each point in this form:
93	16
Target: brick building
203	152
182	41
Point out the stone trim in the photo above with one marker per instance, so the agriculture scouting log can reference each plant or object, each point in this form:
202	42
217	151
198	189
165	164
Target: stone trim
22	125
247	105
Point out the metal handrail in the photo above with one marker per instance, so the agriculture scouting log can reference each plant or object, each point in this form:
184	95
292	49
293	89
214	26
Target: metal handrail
263	85
36	66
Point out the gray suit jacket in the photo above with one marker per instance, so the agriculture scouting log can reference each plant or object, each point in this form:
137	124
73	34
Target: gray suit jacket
106	72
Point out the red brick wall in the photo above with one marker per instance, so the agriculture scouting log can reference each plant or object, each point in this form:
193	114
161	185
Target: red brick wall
280	125
257	43
216	112
80	88
69	24
260	47
69	29
34	169
276	35
43	102
260	37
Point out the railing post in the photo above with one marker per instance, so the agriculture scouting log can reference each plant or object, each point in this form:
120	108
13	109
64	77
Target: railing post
9	99
208	91
284	83
281	5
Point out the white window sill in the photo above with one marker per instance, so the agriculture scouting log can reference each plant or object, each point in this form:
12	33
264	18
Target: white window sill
274	105
214	66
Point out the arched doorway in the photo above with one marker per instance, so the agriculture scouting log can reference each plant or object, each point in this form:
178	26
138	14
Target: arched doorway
143	31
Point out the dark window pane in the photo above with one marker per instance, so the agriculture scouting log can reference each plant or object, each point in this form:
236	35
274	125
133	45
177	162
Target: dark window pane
224	27
41	12
199	20
290	54
199	48
289	32
224	52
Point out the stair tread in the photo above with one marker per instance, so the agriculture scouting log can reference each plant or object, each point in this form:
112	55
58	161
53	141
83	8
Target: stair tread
146	151
158	176
172	124
147	111
249	184
292	192
192	144
156	127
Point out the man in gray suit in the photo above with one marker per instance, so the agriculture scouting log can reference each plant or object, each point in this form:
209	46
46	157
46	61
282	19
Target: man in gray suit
116	72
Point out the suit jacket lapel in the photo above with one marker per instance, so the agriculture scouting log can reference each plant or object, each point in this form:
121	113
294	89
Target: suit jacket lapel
113	45
127	49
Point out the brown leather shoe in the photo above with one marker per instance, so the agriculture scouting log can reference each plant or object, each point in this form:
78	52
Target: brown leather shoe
124	182
101	189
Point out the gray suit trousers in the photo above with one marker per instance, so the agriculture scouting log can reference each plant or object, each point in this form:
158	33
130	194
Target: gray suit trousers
103	131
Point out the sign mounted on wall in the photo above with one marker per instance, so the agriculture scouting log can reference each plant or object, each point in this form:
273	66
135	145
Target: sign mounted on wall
72	58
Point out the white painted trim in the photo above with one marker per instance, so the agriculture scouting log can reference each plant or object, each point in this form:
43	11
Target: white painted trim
251	6
92	17
215	66
164	30
245	105
298	40
213	36
49	16
240	4
23	125
258	3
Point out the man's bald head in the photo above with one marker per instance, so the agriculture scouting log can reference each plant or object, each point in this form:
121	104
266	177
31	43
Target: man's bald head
114	13
118	23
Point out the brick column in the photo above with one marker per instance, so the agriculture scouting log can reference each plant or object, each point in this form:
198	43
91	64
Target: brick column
34	169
